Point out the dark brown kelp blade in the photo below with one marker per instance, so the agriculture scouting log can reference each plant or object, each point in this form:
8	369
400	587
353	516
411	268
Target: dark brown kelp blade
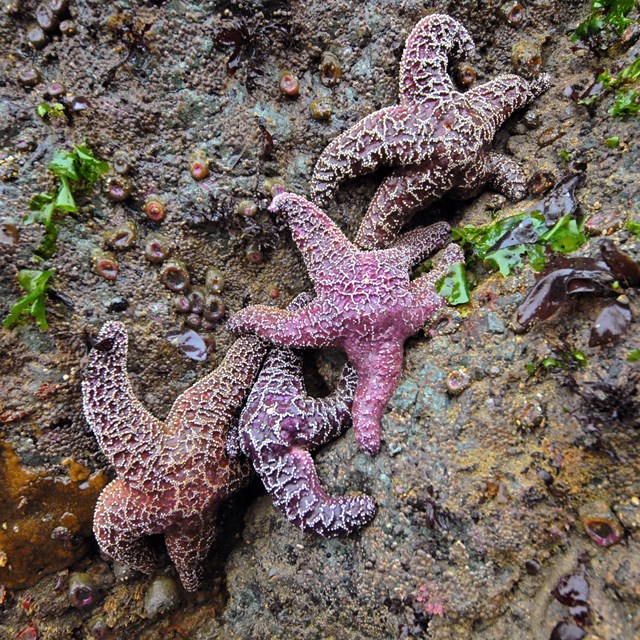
560	201
610	324
527	232
622	266
232	33
104	345
566	277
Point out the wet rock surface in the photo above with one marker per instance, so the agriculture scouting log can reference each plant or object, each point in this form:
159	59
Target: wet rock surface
483	493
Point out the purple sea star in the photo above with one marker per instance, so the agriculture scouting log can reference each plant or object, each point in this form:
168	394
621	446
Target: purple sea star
172	474
437	139
365	304
278	427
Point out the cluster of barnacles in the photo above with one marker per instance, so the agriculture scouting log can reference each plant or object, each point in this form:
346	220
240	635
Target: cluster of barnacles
172	475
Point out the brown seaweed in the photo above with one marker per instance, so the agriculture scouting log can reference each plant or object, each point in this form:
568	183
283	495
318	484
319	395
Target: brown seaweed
622	266
611	323
570	276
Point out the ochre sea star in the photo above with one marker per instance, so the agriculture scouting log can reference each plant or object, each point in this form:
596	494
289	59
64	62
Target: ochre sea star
172	474
436	140
278	427
365	304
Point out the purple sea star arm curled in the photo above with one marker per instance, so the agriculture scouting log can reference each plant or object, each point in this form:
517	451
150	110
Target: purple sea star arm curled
423	68
308	506
278	426
323	419
494	101
386	137
172	474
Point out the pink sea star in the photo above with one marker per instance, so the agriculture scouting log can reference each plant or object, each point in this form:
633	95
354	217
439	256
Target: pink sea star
365	304
278	427
437	139
172	474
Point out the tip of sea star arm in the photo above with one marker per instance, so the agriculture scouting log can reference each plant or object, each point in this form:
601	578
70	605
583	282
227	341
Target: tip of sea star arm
108	354
423	69
425	285
366	415
540	84
278	201
461	42
286	202
368	441
452	253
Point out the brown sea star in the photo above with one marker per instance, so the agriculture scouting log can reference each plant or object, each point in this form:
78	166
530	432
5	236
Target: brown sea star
437	139
280	424
365	304
172	474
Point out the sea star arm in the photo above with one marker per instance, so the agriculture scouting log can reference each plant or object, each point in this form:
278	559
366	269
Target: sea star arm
213	403
386	137
379	369
300	329
496	100
324	419
399	196
506	176
426	284
497	170
423	69
113	412
297	492
278	424
188	543
317	237
418	244
121	521
301	420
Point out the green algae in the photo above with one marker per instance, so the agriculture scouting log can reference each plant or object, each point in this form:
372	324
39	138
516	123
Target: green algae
35	285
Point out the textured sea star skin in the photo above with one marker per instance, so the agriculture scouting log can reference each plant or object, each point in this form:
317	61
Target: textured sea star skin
365	304
278	427
172	474
436	139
